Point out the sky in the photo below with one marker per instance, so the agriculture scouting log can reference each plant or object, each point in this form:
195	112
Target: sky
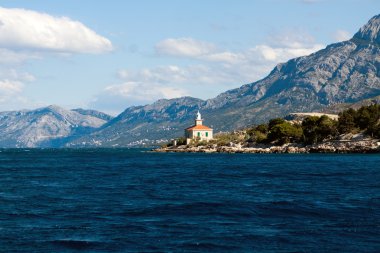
109	55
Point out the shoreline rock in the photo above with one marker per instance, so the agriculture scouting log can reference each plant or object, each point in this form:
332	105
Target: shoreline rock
336	146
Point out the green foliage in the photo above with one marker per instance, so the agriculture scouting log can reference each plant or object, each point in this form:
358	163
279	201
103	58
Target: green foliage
318	129
327	128
346	122
260	137
309	127
284	132
224	139
274	122
376	131
202	143
262	128
258	133
181	141
365	118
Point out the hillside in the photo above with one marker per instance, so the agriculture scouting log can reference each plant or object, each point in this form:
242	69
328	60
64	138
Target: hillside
50	126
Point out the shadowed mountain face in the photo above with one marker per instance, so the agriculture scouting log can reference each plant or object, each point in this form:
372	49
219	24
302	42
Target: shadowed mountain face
50	126
345	72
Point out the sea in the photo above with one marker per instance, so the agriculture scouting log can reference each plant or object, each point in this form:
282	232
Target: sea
133	200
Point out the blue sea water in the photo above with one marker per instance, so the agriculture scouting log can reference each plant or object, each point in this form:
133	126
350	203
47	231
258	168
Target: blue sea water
127	200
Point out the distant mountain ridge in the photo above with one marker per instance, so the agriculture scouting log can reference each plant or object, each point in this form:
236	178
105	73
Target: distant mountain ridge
50	126
345	72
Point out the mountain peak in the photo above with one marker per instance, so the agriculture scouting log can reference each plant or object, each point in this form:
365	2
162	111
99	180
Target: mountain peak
370	31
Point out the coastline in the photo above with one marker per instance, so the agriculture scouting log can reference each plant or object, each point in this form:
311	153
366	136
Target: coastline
337	146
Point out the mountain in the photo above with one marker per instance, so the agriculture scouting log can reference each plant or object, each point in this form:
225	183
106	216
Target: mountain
336	108
345	72
94	113
50	126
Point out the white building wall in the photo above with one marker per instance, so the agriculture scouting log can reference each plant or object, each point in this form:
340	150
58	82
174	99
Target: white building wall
202	134
193	134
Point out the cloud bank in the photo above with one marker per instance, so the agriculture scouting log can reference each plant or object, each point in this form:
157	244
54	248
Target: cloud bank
26	29
27	35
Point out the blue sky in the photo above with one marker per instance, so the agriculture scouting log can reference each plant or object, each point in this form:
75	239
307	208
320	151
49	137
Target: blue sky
109	55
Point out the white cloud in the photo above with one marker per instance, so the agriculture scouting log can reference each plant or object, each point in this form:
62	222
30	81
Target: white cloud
12	83
267	54
13	74
9	57
227	57
10	94
187	47
341	35
29	35
26	29
8	87
281	47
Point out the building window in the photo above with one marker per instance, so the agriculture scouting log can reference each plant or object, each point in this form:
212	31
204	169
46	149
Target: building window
199	134
206	134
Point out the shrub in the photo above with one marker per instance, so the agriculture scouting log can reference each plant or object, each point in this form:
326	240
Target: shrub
224	139
181	141
258	133
262	128
260	137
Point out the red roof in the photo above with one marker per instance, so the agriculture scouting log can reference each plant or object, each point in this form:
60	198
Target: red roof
199	127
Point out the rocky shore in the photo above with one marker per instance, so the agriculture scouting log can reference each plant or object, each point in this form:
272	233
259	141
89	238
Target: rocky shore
336	146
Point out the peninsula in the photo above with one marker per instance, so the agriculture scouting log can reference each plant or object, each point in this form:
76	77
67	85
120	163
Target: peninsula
352	131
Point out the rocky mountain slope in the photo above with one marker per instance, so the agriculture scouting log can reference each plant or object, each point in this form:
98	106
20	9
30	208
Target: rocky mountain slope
345	72
50	126
94	113
336	108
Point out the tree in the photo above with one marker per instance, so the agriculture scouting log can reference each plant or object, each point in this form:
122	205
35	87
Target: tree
274	122
284	133
258	133
373	121
262	128
346	121
376	131
327	128
309	127
363	117
317	129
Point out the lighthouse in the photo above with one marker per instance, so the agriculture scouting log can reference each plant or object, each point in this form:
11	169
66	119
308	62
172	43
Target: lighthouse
198	131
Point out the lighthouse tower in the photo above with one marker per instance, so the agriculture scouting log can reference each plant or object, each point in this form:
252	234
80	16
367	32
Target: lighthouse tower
198	119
